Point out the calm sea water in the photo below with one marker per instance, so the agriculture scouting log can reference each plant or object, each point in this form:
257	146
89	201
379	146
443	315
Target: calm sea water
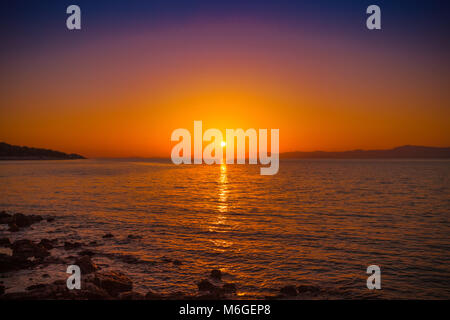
317	222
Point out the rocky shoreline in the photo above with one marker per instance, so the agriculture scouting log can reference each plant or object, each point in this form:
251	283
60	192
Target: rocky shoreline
26	254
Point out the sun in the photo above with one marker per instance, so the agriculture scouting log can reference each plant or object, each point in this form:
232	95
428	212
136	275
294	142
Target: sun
223	144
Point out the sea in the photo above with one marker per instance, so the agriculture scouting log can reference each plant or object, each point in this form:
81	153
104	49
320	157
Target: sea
318	223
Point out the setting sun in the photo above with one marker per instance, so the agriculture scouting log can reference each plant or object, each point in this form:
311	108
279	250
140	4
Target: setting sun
223	144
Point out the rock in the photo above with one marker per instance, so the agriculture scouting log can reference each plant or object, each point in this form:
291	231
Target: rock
36	286
210	296
229	288
289	291
52	260
46	243
205	285
45	275
308	289
86	265
10	263
4	242
114	282
132	236
58	290
26	248
153	296
129	259
177	262
22	220
59	282
18	220
71	245
90	291
178	295
50	219
13	227
89	253
5	218
108	235
273	297
216	274
93	243
130	295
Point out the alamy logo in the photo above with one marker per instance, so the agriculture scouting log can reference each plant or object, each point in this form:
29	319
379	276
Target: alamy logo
74	281
373	22
213	152
73	21
374	281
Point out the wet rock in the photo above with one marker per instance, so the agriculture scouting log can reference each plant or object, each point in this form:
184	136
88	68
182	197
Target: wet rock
289	291
229	288
132	236
178	295
129	259
305	289
18	220
86	265
210	296
87	252
36	286
5	218
26	248
46	243
59	282
274	297
90	291
53	260
13	227
71	245
58	290
130	295
23	221
4	242
205	285
153	296
216	274
10	263
108	235
177	262
114	282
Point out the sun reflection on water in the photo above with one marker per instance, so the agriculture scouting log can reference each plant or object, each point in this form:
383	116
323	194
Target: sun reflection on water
220	218
223	189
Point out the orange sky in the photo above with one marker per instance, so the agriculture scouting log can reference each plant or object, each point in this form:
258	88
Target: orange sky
122	94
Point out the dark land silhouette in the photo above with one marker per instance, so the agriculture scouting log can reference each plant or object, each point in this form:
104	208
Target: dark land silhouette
403	152
11	152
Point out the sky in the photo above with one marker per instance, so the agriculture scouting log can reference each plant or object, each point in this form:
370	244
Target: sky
137	70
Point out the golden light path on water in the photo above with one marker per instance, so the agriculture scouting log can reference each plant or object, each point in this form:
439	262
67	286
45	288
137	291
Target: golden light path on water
222	209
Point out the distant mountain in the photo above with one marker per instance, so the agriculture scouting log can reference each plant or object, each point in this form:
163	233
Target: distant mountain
10	152
403	152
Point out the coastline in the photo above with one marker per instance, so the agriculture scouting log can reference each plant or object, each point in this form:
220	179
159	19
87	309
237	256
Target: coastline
97	283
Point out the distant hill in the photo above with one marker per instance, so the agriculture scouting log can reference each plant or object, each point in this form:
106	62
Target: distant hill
10	152
403	152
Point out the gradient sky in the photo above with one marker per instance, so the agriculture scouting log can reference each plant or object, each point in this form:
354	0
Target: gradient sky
138	70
